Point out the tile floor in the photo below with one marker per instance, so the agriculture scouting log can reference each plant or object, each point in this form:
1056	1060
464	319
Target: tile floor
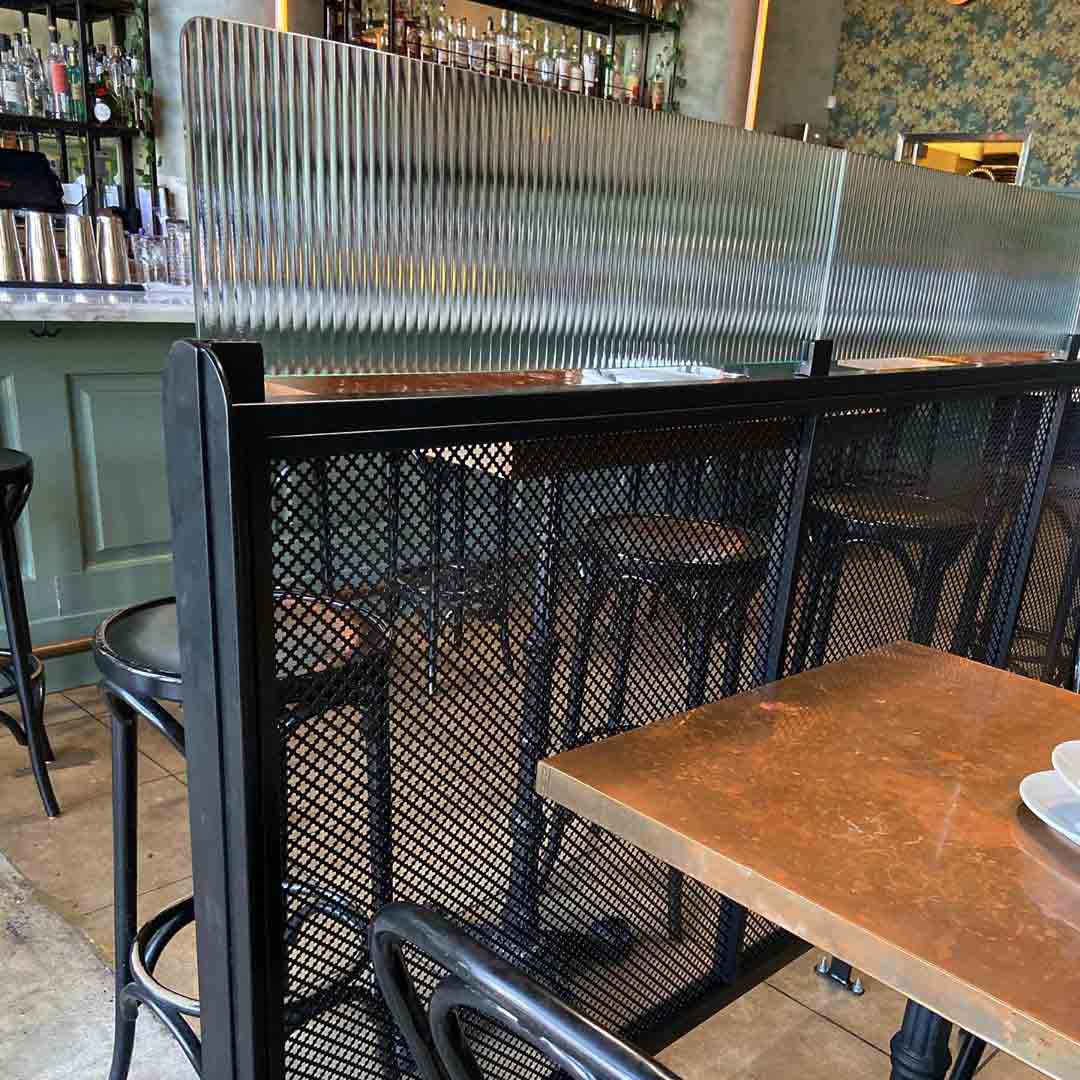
793	1025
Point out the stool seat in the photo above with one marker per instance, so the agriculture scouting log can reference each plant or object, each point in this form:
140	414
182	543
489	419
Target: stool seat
15	467
689	544
139	649
899	512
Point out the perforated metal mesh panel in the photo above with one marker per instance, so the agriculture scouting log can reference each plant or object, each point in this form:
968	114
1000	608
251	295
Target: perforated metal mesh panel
530	597
913	526
1044	644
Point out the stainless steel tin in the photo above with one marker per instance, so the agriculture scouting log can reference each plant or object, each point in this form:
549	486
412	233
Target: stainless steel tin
82	253
11	260
112	250
41	255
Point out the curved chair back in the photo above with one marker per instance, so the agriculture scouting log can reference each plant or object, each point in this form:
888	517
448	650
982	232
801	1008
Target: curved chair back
481	982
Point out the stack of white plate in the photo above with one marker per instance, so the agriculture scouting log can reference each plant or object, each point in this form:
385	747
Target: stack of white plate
1054	795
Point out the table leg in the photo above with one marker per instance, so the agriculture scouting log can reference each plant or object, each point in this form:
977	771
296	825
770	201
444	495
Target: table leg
920	1049
522	909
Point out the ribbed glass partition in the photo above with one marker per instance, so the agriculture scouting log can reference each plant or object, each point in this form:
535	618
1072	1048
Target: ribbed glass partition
930	262
361	211
358	211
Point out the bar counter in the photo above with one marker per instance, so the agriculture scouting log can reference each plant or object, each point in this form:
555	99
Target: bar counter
81	394
524	563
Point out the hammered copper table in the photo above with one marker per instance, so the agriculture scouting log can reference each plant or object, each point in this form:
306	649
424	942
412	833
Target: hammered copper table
871	808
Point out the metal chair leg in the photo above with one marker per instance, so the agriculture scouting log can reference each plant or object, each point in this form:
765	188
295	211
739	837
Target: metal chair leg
628	590
967	1061
125	767
31	703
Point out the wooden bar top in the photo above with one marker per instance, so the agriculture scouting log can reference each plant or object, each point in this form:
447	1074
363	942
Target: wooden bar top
871	807
284	388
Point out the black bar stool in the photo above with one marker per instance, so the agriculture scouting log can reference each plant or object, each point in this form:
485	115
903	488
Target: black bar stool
137	652
710	571
23	671
926	536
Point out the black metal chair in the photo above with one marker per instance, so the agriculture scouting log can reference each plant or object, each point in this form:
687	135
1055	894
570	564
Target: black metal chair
926	536
481	983
137	652
23	672
449	586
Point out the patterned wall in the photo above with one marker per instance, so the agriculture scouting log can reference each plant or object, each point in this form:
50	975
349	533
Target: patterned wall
923	65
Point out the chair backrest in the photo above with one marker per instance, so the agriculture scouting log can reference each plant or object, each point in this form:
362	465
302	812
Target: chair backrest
479	981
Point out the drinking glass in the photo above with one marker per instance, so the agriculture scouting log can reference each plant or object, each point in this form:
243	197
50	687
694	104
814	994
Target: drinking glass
151	260
178	245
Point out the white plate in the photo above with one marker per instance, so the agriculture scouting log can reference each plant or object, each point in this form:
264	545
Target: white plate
1049	798
1066	759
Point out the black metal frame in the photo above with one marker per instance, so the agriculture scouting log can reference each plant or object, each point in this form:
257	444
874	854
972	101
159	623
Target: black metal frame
220	434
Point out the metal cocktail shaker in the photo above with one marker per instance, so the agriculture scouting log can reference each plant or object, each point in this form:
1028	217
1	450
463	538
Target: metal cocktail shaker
11	262
82	253
112	249
41	253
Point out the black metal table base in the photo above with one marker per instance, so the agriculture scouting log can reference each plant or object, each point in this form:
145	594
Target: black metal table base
920	1049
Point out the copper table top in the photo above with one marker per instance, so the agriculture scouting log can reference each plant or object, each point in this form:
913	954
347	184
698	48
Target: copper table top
871	808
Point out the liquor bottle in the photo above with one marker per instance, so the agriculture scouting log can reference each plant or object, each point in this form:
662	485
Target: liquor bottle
527	57
491	48
58	77
613	86
441	36
503	47
590	68
477	52
105	106
545	62
515	51
656	91
12	82
577	72
412	39
402	17
135	104
427	38
75	82
38	94
562	64
461	45
118	79
632	79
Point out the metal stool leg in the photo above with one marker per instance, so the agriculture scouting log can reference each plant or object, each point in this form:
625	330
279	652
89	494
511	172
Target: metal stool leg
1052	661
831	570
628	591
125	770
967	1061
31	703
504	575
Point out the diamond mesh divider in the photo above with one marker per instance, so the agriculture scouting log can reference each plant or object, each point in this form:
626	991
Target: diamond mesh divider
913	526
1050	608
661	546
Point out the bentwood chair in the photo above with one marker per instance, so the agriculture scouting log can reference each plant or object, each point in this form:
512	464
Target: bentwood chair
481	985
138	654
23	672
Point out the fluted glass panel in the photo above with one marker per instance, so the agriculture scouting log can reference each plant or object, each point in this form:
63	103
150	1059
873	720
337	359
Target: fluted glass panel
931	262
357	211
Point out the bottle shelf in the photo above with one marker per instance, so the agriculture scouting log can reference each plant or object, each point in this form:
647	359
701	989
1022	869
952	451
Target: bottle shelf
66	9
45	125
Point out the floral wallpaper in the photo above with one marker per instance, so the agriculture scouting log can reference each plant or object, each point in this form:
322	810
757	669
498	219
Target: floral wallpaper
993	65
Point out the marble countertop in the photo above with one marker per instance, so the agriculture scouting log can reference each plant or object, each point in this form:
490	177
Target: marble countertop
162	304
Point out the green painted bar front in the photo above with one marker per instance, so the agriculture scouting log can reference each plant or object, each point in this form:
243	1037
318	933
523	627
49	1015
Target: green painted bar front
83	399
